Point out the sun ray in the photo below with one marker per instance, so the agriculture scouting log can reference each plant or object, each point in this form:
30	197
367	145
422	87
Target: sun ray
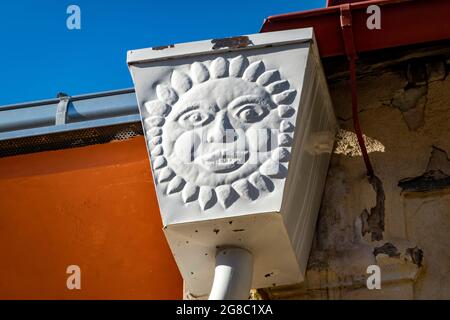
154	142
180	81
277	86
285	111
286	126
207	197
175	185
153	132
157	151
261	182
237	66
285	97
226	195
218	68
268	77
190	192
281	155
284	140
157	108
270	168
152	122
159	162
199	73
253	71
166	174
245	189
273	169
166	94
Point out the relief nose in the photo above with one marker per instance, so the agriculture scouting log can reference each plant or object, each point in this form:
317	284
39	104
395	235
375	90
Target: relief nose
222	130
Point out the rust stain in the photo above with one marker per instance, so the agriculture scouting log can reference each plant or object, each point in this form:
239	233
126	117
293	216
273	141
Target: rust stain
233	42
163	47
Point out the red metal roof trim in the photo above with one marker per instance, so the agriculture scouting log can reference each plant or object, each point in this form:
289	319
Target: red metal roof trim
339	2
403	22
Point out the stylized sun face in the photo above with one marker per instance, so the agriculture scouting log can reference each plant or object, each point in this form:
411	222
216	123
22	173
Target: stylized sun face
222	133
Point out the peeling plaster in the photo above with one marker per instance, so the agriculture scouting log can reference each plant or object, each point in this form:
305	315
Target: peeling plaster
435	176
387	248
373	222
416	255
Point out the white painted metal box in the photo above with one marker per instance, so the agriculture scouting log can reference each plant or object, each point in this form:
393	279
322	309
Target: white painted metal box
239	133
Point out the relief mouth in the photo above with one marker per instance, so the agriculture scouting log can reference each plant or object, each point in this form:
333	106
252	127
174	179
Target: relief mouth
222	161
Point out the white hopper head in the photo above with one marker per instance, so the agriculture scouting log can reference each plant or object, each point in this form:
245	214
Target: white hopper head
239	133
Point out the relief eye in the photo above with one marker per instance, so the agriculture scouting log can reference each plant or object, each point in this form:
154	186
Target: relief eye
195	118
251	113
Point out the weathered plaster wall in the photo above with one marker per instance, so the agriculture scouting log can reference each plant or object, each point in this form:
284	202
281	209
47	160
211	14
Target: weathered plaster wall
400	221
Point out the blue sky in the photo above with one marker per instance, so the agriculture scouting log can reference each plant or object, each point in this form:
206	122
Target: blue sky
40	57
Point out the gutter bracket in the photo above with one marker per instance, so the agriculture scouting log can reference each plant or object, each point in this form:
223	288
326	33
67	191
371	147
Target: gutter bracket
61	109
347	31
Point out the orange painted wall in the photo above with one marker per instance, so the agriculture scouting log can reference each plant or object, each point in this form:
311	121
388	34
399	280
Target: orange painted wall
94	207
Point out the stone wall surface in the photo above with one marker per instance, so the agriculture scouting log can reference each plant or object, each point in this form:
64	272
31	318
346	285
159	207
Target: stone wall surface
399	220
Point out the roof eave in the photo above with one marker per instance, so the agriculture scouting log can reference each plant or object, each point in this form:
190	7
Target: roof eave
403	22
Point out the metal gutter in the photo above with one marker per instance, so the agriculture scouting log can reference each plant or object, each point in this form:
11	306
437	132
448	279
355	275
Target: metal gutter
403	22
75	113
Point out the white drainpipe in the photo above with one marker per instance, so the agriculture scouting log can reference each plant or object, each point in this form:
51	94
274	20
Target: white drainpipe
233	274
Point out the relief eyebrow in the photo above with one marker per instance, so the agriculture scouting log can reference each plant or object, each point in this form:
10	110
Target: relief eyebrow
187	109
245	99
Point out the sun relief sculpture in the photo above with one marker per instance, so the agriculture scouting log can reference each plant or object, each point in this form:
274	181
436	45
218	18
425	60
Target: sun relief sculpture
220	131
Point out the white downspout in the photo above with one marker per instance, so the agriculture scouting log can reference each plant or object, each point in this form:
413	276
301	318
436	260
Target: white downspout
233	275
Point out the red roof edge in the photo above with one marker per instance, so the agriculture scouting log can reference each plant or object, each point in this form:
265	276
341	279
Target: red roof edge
331	3
403	22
